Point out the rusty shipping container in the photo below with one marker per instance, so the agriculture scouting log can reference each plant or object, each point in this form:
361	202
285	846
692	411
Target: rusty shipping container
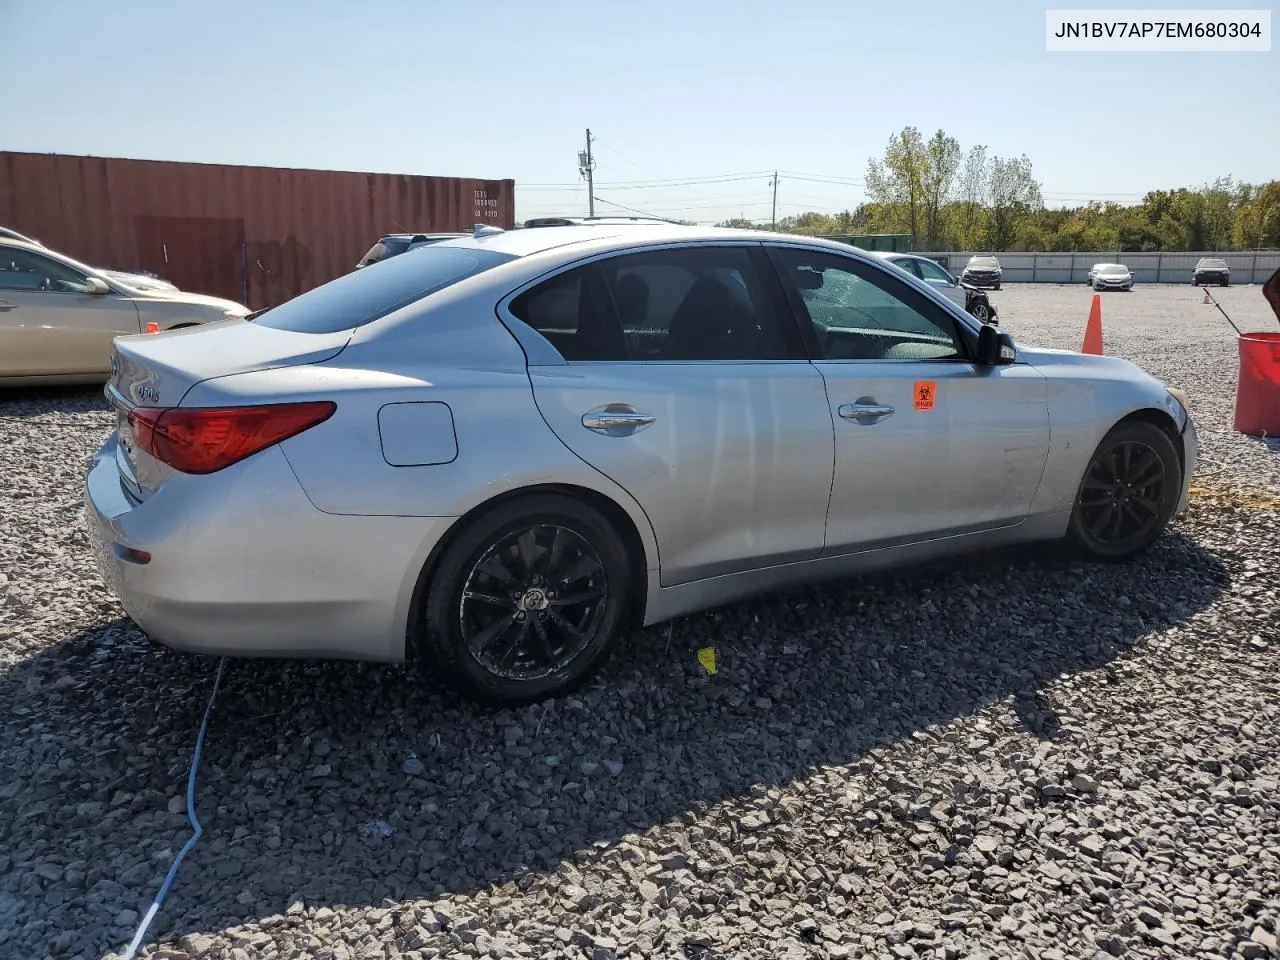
257	235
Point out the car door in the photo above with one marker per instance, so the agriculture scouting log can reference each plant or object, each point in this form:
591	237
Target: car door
928	443
49	321
679	373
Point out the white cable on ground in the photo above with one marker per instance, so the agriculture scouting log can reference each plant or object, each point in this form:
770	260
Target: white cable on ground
191	816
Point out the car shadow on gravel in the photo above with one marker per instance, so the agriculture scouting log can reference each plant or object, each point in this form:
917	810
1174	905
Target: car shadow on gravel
354	784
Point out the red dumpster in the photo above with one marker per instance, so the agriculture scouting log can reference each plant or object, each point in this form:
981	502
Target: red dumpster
1258	388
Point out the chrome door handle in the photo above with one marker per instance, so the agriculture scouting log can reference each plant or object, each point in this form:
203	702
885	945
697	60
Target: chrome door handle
865	412
616	420
6	306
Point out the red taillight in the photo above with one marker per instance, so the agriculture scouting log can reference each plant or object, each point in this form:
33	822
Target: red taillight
206	439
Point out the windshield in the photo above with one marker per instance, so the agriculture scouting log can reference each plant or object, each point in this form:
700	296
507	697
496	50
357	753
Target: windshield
381	288
984	262
1212	262
1113	268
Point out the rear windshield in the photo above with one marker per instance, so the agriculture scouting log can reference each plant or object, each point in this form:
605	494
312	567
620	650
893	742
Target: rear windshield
363	296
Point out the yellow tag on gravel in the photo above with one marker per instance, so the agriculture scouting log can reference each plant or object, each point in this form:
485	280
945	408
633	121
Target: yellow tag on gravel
707	657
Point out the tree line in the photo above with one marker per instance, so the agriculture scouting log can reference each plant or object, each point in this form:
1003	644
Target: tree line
950	199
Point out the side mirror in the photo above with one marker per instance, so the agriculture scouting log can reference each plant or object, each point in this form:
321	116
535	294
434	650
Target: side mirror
97	287
995	347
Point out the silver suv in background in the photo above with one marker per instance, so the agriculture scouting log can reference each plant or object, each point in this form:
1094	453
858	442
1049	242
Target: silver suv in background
1211	270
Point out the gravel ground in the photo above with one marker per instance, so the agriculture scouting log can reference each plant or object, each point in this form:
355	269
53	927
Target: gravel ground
1014	756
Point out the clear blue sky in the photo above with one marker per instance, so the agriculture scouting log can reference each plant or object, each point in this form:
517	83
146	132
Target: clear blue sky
689	89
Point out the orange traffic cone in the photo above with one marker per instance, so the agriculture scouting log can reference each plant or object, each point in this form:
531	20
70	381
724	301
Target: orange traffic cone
1207	299
1093	330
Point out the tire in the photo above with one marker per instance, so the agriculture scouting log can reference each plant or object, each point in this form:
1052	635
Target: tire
458	627
1225	283
997	286
1139	445
981	311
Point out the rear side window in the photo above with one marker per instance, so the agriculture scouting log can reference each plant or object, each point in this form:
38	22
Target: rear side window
381	288
694	304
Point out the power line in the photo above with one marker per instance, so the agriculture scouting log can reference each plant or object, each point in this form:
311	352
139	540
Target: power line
676	181
632	163
825	178
631	209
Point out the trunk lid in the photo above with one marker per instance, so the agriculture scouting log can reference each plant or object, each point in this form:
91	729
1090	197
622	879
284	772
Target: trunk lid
158	370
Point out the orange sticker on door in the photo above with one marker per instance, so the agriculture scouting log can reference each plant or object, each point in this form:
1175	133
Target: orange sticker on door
924	393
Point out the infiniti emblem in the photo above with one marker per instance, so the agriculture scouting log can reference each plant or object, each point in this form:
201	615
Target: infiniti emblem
115	366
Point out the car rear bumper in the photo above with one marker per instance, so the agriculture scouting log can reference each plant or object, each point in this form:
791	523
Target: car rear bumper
241	563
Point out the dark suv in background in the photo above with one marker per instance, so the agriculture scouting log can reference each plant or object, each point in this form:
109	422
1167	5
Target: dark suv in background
394	244
1211	270
982	271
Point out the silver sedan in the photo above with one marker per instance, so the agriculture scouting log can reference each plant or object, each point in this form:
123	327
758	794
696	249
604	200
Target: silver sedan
504	451
59	317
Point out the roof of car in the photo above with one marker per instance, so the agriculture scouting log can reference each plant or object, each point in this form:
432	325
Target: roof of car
596	221
522	243
24	245
410	236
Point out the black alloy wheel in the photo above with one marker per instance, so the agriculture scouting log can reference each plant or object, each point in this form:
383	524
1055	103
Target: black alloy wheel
533	602
527	601
1128	494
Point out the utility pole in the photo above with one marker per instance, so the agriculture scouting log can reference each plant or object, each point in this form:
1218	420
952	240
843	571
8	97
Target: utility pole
773	220
585	168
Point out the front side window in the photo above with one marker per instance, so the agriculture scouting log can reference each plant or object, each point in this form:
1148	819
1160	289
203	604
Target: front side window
861	313
363	296
24	270
932	273
679	304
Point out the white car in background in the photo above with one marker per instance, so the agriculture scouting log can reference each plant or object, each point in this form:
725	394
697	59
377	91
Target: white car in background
1110	276
58	317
